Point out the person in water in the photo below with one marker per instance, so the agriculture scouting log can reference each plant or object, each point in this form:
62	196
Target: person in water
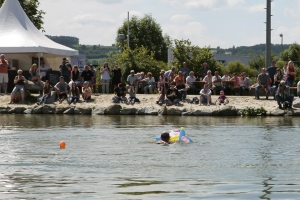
165	138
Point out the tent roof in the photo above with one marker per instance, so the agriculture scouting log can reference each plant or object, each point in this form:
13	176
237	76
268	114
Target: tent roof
19	35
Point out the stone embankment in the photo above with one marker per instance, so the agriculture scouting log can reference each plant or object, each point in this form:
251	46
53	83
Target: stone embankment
101	104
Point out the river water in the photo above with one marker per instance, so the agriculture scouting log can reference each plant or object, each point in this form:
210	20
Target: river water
115	157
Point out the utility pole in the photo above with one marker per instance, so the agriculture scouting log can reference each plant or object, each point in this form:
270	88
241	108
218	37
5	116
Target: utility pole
268	34
128	31
281	35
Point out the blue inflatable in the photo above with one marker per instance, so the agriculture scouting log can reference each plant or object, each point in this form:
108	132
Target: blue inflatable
178	136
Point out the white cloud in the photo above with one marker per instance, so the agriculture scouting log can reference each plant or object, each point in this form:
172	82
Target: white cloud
179	19
212	4
109	1
257	8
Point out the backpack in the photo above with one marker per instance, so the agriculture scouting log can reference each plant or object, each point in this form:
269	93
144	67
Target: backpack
195	100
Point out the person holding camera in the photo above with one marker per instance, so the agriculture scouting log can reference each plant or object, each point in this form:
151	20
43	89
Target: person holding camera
172	95
283	95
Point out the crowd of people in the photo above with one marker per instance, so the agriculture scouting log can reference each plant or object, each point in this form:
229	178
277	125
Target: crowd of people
172	86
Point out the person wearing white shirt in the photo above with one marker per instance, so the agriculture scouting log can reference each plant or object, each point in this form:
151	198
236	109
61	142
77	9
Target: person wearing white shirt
190	81
149	83
205	95
43	70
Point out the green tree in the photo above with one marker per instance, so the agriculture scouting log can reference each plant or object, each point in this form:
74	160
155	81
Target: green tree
31	9
238	67
139	59
292	53
194	56
144	32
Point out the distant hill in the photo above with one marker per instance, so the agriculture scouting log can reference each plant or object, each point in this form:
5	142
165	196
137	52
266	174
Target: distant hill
98	53
252	50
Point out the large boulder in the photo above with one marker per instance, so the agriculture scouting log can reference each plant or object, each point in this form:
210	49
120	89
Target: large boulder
173	111
98	111
83	111
37	110
3	110
163	110
17	110
296	103
113	109
147	111
69	111
33	86
60	109
48	109
227	111
128	111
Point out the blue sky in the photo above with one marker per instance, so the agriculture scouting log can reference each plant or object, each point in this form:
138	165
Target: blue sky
212	23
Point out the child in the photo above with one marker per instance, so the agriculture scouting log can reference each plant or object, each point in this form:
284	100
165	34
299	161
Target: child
74	94
86	91
46	93
132	98
222	98
165	138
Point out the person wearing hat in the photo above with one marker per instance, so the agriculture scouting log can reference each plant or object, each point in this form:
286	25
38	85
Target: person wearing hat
283	96
65	70
19	82
44	69
132	80
4	65
61	89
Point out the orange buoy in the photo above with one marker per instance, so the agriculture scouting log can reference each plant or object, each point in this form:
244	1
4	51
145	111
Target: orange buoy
62	145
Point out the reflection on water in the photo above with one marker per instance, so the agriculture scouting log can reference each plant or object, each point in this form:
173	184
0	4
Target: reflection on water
114	157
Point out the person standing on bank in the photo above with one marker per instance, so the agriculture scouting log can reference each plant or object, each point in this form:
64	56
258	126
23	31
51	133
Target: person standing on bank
117	76
185	70
290	74
65	70
272	71
4	65
105	77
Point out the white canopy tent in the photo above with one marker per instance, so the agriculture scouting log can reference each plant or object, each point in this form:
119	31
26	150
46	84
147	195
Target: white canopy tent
20	39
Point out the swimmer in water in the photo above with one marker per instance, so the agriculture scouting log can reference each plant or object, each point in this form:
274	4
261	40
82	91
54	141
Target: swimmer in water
165	138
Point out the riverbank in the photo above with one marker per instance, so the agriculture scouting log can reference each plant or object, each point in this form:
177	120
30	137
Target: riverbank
101	104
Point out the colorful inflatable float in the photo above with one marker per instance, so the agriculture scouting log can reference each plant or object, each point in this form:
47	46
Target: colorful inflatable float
178	136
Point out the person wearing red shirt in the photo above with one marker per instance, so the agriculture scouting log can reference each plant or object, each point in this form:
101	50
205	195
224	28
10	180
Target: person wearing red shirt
3	72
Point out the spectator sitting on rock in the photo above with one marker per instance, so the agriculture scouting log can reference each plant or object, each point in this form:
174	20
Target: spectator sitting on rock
132	79
172	96
190	81
120	94
244	84
262	80
216	83
86	91
87	75
225	85
46	92
75	76
205	95
19	82
44	69
74	94
222	98
150	83
283	95
34	75
61	89
179	77
182	90
208	79
132	96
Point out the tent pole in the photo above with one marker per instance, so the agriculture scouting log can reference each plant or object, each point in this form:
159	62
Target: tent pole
39	61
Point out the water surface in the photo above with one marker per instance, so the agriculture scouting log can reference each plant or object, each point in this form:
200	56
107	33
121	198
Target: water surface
115	157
